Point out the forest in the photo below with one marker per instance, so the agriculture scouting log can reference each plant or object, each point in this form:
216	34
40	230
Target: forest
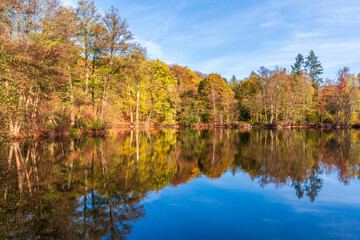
76	70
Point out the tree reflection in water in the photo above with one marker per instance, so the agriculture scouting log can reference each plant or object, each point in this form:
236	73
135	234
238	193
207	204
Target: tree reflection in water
94	187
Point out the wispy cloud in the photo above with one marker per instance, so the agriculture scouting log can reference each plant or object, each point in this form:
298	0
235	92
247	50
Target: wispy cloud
236	37
154	50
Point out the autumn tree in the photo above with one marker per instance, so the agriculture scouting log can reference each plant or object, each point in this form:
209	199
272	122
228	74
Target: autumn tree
347	91
163	86
31	60
135	78
87	19
218	99
186	99
297	97
64	28
249	95
117	41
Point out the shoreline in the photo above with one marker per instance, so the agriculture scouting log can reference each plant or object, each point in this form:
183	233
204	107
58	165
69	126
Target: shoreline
243	126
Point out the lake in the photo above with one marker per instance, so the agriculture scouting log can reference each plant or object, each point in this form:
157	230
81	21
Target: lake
184	184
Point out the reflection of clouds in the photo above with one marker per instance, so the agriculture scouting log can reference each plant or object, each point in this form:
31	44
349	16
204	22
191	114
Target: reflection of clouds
238	196
206	200
333	193
151	196
304	208
342	226
177	205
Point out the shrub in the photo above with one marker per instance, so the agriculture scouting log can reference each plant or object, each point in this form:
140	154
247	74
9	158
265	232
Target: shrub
75	133
97	125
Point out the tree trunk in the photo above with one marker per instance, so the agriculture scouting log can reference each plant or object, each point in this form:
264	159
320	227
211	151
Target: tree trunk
349	113
149	118
72	149
19	170
14	127
304	110
137	106
85	204
34	160
71	92
15	124
137	146
93	82
276	110
35	104
10	156
264	103
290	110
86	82
213	150
271	110
103	101
7	87
214	105
131	113
175	117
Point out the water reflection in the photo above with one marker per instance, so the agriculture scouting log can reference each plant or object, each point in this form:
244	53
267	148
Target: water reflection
94	187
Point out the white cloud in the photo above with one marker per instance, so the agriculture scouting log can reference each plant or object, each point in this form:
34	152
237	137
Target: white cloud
69	3
154	50
236	37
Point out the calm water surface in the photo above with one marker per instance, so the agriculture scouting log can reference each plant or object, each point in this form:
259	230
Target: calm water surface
221	184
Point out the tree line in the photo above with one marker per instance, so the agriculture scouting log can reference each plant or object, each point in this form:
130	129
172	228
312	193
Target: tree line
68	69
299	96
73	68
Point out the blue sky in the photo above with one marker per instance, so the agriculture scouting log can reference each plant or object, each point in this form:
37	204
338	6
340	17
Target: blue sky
235	37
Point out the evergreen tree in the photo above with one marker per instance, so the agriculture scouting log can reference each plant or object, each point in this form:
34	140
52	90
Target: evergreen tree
299	64
233	80
314	68
253	74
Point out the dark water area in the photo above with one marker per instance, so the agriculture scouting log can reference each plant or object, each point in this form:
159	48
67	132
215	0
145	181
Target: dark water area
188	184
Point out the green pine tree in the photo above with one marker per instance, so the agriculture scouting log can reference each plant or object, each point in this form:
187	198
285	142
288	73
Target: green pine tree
299	64
314	68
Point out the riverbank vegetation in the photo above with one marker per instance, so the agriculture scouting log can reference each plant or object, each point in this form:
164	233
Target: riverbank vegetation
65	70
298	97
